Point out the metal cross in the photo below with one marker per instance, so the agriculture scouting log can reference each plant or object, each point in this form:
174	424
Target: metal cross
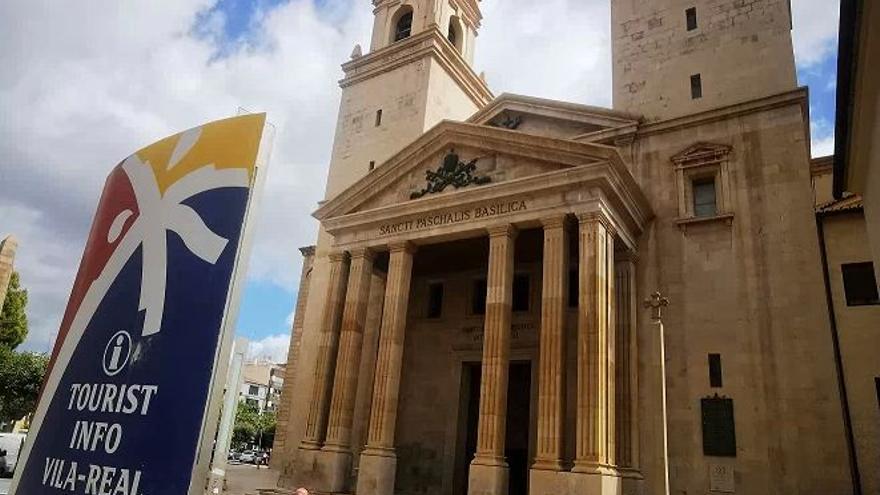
656	302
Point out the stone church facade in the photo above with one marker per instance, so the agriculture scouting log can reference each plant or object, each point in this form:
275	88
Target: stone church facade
471	318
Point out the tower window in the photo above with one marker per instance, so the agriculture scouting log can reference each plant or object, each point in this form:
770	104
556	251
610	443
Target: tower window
691	16
435	300
859	284
478	297
372	165
715	377
378	117
696	87
403	28
520	293
454	33
704	197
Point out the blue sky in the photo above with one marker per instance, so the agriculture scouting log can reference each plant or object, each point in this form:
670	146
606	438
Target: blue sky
267	307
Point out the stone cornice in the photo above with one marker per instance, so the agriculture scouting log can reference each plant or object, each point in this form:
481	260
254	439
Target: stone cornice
560	151
794	97
428	43
604	186
562	110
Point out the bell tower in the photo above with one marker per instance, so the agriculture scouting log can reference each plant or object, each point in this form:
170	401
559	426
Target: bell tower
417	73
678	57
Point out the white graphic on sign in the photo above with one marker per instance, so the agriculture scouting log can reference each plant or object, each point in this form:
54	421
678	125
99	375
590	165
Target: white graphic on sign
117	352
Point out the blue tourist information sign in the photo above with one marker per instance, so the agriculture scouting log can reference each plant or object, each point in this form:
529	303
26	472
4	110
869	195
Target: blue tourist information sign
123	408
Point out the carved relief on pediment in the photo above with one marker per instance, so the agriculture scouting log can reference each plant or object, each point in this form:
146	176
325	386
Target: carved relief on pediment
452	169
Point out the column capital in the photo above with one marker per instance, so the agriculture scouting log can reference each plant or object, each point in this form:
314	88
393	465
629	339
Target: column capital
337	256
554	221
598	216
626	256
407	246
363	252
508	230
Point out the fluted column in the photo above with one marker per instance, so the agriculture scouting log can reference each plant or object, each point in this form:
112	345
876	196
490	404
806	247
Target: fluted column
496	348
349	357
284	408
317	418
551	352
383	416
594	434
378	461
627	364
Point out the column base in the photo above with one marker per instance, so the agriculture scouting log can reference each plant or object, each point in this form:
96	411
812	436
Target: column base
488	477
548	465
323	471
376	472
543	482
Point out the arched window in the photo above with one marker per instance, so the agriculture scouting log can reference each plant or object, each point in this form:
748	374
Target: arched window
403	26
454	35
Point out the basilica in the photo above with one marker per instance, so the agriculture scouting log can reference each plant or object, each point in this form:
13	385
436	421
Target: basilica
516	295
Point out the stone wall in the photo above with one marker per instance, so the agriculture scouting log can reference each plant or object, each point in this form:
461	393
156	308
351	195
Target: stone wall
749	287
654	54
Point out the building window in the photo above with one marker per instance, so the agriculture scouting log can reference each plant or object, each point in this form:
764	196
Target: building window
253	390
435	300
705	204
520	293
859	284
691	16
372	165
403	28
478	298
378	117
719	431
573	284
715	379
696	86
454	33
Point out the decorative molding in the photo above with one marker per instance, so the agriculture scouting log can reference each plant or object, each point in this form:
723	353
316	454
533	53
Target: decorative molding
307	251
338	256
402	246
453	172
701	154
555	221
507	121
684	223
505	230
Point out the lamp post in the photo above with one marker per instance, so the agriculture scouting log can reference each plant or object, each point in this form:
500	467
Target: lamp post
656	303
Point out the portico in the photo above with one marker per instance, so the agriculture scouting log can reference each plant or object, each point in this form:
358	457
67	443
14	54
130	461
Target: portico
575	206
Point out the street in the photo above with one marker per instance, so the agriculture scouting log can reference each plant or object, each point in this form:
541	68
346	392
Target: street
242	479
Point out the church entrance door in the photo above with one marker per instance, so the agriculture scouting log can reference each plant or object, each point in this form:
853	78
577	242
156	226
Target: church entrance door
517	435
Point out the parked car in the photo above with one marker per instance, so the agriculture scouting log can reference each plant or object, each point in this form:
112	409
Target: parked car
233	456
248	456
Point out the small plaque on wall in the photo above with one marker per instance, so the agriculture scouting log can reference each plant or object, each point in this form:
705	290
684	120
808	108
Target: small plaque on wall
721	479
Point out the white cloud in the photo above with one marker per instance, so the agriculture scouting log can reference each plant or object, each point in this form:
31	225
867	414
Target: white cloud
823	146
85	83
272	348
815	30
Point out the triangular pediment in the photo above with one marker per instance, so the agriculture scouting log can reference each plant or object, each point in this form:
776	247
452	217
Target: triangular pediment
454	156
701	152
551	118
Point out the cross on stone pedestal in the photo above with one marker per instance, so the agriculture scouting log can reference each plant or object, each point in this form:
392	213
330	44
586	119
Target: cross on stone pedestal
656	303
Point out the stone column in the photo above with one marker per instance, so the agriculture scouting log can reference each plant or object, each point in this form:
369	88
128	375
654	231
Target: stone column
378	462
552	354
627	363
595	361
284	409
489	471
336	458
317	418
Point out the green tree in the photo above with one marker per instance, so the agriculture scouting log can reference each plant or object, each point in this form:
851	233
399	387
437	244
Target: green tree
21	376
253	427
13	320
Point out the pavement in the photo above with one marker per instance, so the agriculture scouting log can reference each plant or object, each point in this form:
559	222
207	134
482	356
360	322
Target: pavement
244	479
4	486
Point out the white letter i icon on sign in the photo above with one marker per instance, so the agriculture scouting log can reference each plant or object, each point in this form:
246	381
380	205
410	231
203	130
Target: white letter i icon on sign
117	350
